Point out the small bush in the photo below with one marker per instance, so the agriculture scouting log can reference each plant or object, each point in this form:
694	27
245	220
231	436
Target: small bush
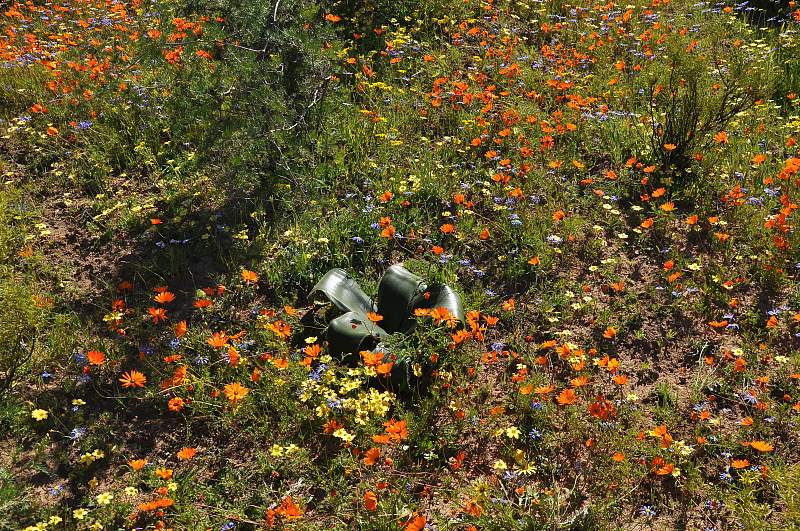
20	320
692	101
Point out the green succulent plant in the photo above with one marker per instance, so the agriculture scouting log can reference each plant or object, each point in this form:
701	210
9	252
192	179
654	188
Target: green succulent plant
400	292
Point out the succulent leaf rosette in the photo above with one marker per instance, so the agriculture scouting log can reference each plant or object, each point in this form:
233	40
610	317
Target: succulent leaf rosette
366	324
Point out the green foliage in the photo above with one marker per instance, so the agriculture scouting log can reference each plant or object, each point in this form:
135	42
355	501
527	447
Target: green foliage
21	323
787	479
612	191
693	99
14	501
23	313
381	327
789	56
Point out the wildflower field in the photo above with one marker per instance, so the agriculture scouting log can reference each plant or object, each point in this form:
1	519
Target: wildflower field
597	320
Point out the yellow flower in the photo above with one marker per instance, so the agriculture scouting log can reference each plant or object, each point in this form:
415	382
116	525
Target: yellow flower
104	498
528	468
78	402
342	434
292	448
513	432
500	465
131	491
79	514
39	414
349	385
55	520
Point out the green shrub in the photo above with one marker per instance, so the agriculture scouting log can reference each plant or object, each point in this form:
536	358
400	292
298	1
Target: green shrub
20	323
14	501
789	56
692	100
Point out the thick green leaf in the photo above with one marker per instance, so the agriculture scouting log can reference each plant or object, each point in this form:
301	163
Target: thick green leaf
353	332
399	293
343	292
400	376
443	296
396	292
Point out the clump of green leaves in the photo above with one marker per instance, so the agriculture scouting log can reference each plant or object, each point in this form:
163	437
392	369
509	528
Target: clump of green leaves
693	100
20	323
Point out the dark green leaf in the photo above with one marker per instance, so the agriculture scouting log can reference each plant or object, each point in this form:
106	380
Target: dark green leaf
343	292
443	296
397	290
352	332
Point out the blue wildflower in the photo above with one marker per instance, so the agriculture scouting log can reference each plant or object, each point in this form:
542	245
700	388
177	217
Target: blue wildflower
647	511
